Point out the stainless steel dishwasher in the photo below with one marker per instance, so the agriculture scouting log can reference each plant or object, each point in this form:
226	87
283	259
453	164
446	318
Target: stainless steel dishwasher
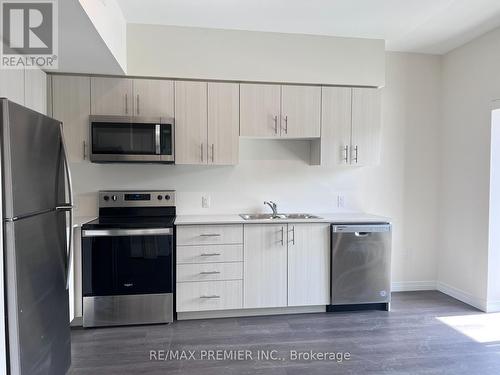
360	267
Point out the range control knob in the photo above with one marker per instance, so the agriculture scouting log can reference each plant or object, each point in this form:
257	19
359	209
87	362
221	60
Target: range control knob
160	197
106	198
167	197
114	198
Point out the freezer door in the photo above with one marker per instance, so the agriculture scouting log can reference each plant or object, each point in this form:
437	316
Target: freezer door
37	299
361	266
31	161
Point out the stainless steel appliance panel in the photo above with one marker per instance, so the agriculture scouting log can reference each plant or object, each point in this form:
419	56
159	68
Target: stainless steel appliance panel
37	299
32	165
127	309
361	266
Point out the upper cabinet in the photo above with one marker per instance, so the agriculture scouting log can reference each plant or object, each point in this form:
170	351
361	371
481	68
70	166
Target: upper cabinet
35	90
366	126
132	97
260	110
300	111
351	126
223	123
71	106
207	123
154	97
191	122
12	85
111	96
280	111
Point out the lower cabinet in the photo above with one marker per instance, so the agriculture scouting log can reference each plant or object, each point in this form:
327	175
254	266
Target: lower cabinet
265	262
269	266
308	264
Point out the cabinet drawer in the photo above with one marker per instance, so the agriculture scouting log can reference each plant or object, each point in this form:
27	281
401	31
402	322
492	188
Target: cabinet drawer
209	254
209	234
209	295
209	271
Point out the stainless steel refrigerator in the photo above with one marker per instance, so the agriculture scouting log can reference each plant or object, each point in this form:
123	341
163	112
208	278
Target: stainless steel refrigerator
36	242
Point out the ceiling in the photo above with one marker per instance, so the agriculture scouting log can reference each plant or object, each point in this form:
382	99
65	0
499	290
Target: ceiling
427	26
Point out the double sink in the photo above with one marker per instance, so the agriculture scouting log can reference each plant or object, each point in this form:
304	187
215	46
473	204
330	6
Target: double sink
277	216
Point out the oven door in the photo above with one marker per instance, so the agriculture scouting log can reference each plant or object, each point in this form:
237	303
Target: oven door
125	139
127	261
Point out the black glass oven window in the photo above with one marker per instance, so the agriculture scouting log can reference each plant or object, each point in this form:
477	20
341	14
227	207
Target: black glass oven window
166	139
127	265
123	138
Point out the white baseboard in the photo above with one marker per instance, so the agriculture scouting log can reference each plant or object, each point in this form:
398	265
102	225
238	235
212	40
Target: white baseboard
463	296
410	286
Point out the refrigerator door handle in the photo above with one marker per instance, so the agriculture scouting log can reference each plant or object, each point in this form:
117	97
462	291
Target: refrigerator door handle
68	207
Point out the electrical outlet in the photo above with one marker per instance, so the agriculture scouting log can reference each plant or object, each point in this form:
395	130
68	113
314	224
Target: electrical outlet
340	201
205	201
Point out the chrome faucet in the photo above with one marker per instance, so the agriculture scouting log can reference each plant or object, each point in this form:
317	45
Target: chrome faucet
273	207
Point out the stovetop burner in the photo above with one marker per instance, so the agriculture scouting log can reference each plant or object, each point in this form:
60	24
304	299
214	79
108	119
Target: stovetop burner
134	209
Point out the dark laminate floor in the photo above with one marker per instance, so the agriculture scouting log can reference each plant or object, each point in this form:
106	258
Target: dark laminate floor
408	340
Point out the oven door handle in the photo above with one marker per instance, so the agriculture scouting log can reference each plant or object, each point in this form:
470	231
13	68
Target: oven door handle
127	232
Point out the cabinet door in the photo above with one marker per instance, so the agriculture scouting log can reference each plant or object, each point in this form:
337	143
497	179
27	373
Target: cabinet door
35	83
308	264
335	125
111	96
71	105
259	110
12	85
300	111
265	270
366	126
191	122
223	123
154	97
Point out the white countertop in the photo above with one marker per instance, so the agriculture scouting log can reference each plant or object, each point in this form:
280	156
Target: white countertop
354	217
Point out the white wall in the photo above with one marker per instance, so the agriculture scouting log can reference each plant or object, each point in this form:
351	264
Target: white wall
402	187
494	232
108	19
471	80
188	52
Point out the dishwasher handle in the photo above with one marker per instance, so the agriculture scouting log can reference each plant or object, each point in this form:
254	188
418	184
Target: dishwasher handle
361	230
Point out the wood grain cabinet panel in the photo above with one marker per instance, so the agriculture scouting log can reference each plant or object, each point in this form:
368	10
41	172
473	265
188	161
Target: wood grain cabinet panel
191	122
260	110
112	96
300	111
223	123
265	265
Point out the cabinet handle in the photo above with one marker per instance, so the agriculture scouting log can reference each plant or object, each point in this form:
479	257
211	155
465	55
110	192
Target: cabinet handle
202	152
212	152
293	238
213	296
356	154
84	150
346	154
128	285
209	273
126	103
282	236
275	124
210	235
209	254
286	124
138	107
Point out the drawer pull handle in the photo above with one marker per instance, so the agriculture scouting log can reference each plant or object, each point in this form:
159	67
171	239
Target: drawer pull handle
210	235
209	273
128	285
209	297
209	254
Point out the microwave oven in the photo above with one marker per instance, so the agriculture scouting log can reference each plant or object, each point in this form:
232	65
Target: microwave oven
126	139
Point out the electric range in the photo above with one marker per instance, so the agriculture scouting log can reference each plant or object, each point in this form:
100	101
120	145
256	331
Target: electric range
127	259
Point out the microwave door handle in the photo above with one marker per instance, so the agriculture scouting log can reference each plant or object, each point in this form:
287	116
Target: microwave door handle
68	206
158	140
